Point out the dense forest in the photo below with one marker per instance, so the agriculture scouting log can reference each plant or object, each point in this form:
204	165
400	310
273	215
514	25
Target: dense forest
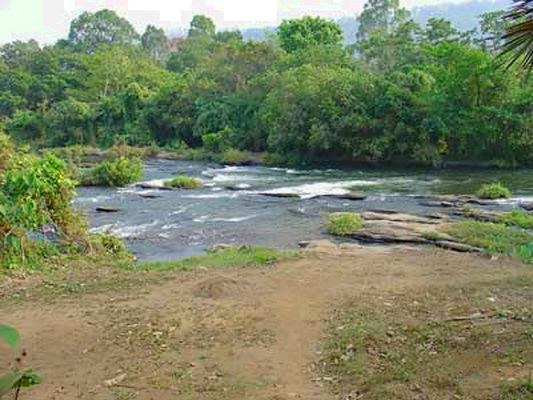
402	93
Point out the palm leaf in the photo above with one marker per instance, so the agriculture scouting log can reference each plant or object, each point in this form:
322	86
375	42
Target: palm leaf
518	47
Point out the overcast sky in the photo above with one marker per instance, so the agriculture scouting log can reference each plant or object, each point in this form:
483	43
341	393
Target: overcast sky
48	20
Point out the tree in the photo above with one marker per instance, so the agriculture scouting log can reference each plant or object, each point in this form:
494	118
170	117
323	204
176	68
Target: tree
493	26
89	31
155	42
519	35
440	30
297	34
380	17
202	26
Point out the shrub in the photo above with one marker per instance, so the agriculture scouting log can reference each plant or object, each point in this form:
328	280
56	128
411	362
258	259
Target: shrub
35	204
216	142
344	224
109	244
184	182
236	157
7	151
117	173
493	191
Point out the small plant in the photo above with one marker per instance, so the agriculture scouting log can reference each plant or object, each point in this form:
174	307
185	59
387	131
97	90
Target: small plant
111	245
17	377
117	173
493	191
344	224
183	182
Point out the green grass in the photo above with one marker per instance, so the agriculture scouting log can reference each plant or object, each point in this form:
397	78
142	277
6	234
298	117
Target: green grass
183	182
520	391
344	224
518	218
227	258
495	238
493	191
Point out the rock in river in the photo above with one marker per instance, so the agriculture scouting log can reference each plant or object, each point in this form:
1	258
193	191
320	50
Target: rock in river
104	209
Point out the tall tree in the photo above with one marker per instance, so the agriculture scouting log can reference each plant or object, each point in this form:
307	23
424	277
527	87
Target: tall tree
493	26
202	26
89	30
380	16
155	42
297	34
440	30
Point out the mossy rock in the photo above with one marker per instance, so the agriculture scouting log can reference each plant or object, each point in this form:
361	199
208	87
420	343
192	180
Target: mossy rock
493	191
183	182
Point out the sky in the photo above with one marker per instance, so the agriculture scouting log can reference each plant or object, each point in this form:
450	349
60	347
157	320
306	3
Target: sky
48	20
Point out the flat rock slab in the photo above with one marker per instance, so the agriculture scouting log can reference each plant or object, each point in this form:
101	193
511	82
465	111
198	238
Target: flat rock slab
281	195
454	201
353	196
397	217
456	246
153	185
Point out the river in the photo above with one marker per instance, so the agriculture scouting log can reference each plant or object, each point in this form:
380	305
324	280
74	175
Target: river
179	224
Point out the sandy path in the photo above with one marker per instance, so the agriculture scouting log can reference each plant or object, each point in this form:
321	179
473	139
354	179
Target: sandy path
226	334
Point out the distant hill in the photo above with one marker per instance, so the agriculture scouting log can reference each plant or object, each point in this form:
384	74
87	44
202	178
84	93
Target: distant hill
464	16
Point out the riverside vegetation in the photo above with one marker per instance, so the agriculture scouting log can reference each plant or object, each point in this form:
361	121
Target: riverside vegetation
403	93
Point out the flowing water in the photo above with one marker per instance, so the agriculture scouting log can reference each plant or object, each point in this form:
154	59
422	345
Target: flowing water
178	224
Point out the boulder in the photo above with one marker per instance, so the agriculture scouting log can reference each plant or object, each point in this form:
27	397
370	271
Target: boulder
280	195
150	196
352	196
528	206
238	188
105	209
154	185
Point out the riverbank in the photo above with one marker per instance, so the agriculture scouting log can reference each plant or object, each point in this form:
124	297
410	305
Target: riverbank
281	328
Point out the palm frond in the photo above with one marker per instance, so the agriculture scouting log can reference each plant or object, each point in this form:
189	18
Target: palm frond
518	47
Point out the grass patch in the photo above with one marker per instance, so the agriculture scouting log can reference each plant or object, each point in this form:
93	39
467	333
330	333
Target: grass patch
117	173
395	347
344	224
493	191
521	391
495	238
226	258
183	182
518	218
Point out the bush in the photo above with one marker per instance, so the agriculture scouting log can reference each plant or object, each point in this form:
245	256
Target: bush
35	210
236	157
7	151
183	182
344	224
117	173
493	191
111	245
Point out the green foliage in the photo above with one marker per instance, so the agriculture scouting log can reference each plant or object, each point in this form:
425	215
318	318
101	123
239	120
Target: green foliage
105	27
411	94
518	218
234	257
493	191
116	173
183	182
236	157
19	377
107	244
297	34
495	238
344	224
7	151
36	193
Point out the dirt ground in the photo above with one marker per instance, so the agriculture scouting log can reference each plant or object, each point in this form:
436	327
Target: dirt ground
216	334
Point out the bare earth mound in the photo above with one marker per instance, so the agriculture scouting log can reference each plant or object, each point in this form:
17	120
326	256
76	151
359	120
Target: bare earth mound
239	333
